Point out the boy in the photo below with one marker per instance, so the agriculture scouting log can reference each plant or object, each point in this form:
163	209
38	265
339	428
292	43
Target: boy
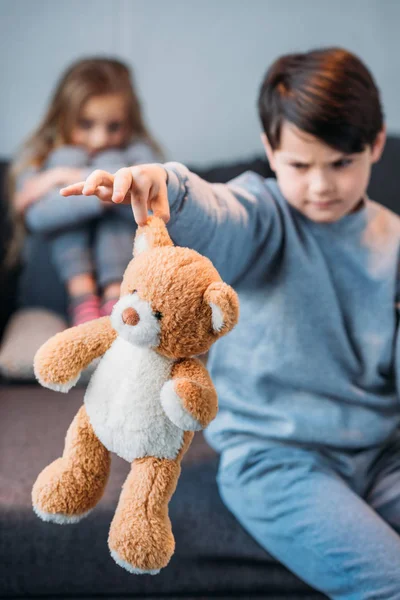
309	407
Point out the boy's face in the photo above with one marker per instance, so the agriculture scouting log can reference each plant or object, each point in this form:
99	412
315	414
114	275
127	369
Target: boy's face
322	183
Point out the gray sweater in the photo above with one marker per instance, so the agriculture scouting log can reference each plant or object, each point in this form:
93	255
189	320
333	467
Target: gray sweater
315	357
53	212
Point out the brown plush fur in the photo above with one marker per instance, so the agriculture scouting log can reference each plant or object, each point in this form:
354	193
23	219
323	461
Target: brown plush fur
156	235
196	391
73	485
163	282
182	286
141	530
68	353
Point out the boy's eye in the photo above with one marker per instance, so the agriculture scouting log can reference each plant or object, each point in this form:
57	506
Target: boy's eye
114	127
158	315
85	123
299	166
343	162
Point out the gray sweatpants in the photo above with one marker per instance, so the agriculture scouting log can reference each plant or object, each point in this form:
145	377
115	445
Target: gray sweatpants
102	246
85	235
332	517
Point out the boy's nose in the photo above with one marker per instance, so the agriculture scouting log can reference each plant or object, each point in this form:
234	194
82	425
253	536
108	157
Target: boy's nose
320	185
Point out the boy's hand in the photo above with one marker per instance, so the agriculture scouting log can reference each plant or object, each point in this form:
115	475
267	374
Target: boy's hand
144	187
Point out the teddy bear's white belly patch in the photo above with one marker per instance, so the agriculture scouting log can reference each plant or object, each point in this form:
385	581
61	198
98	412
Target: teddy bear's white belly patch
123	403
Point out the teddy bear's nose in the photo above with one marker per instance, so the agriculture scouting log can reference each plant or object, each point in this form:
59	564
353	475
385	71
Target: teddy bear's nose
130	316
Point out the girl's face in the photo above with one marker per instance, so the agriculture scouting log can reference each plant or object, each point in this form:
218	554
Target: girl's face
101	124
322	183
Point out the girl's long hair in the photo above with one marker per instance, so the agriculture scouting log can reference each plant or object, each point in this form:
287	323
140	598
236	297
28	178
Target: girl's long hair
82	80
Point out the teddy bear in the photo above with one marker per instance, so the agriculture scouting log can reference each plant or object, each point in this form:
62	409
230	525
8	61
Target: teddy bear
147	396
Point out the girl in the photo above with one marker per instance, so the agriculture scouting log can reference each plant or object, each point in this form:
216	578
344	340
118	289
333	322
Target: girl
93	121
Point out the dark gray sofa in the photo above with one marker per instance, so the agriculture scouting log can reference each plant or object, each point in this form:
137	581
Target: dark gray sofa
214	558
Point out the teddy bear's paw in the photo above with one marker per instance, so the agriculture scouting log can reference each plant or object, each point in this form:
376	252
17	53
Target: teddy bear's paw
131	568
57	387
138	542
64	492
173	408
59	518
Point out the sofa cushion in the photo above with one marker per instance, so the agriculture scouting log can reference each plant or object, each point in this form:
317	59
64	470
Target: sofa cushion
26	331
214	556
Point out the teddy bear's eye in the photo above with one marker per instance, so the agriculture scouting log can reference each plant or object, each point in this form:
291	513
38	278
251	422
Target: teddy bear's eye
133	291
158	315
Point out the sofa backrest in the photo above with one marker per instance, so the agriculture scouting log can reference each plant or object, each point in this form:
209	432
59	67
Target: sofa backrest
384	185
384	188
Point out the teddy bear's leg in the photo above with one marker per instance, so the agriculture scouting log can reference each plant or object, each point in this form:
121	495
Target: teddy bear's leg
71	486
140	538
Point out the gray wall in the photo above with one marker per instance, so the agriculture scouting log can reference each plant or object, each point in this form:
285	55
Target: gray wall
198	64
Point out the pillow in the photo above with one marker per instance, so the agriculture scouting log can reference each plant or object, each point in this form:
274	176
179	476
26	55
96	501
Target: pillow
25	332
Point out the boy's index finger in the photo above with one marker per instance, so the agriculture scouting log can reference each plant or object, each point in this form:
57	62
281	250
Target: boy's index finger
127	189
122	185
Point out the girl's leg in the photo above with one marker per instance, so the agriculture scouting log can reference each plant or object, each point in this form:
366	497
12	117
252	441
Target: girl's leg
110	296
84	301
295	505
72	257
81	284
113	247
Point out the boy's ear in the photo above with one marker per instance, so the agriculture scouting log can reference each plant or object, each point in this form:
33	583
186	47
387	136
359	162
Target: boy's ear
268	150
152	235
379	145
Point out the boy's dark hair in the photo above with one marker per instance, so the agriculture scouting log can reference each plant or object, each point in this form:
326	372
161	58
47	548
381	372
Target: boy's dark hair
328	92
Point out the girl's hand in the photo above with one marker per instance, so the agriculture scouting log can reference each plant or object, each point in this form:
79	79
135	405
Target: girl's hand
144	187
39	185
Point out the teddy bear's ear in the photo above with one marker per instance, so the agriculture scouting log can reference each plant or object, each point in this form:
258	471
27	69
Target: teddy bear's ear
152	235
224	305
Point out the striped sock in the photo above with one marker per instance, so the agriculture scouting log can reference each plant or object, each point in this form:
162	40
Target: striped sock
84	308
107	306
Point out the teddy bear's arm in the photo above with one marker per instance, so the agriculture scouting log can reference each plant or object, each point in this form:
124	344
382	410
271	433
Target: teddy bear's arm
189	398
59	362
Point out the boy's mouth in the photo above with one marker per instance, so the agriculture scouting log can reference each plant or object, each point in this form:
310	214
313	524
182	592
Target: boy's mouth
324	205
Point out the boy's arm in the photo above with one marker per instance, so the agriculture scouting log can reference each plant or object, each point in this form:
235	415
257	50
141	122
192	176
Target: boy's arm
60	361
228	223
